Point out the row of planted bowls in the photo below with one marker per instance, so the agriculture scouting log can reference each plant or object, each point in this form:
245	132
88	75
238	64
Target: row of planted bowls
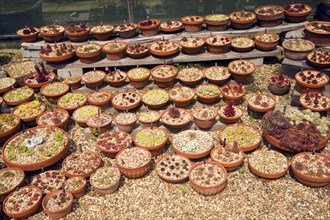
267	16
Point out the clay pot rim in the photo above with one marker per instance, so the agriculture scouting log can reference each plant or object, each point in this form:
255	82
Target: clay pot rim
306	25
158	117
116	81
215	45
245	38
104	187
164	78
192	47
209	162
103	32
231	164
133	79
56	192
20	182
88	54
192	22
239	73
315	63
173	29
298	14
73	107
94	82
115	50
18	101
271	6
72	83
216	80
134	168
122	107
176	124
123	31
100	102
209	119
230	118
153	26
77	34
181	100
9	87
37	204
246	21
312	108
138	55
57	59
307	41
27	35
207	97
54	110
192	155
231	85
77	190
32	118
105	125
267	42
307	85
113	151
220	22
261	109
165	53
191	81
42	33
54	95
154	147
125	124
83	121
5	133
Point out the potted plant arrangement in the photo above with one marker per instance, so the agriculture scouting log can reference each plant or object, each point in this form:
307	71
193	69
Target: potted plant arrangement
164	75
57	53
232	93
115	50
115	78
297	49
105	180
297	12
268	164
313	80
266	41
192	23
18	96
29	111
176	118
6	84
9	125
269	15
149	119
248	138
218	44
54	90
137	51
181	96
48	181
242	44
101	98
311	169
207	93
111	142
315	101
73	82
229	113
81	164
208	178
52	33
54	118
155	98
57	204
230	156
216	74
138	77
28	34
190	76
19	70
76	186
261	102
134	162
22	203
193	144
319	59
126	121
192	45
39	78
77	32
102	32
93	79
241	70
89	53
152	139
72	101
29	151
318	32
216	22
126	100
242	19
164	48
171	26
11	178
279	84
80	115
98	124
173	168
126	30
204	116
149	27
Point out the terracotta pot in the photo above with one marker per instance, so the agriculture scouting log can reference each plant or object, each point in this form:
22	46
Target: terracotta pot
271	107
266	175
115	54
104	35
317	64
155	150
191	82
162	81
77	36
207	99
241	77
4	136
269	20
154	123
307	179
242	24
52	37
192	50
112	153
27	213
218	49
99	129
297	17
297	54
211	190
204	124
122	107
28	37
55	95
213	80
77	193
278	90
57	59
171	30
193	26
82	122
59	213
90	57
107	189
181	103
148	31
175	126
216	25
302	86
137	55
236	99
138	83
94	84
137	172
31	121
318	38
75	84
128	33
312	108
266	46
102	104
165	53
242	49
4	194
231	166
126	127
63	124
8	102
72	108
116	83
9	87
37	165
230	120
36	87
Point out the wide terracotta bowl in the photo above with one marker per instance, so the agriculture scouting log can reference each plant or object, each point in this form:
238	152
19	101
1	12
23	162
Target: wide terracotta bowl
241	77
165	53
28	37
115	54
52	37
175	125
4	194
150	30
58	213
54	95
318	38
216	25
29	121
303	86
4	136
77	36
297	17
105	189
102	35
63	124
296	54
207	99
29	98
138	83
230	166
36	87
192	26
266	46
230	120
312	108
57	59
77	193
10	86
271	107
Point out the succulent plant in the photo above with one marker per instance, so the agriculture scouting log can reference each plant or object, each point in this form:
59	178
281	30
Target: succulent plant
174	112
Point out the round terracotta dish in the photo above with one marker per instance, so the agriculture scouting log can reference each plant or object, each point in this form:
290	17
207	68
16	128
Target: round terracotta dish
52	33
72	101
190	76
105	180
242	19
181	96
126	121
230	114
297	12
192	23
217	74
29	111
73	82
313	80
164	75
57	53
115	78
315	101
54	118
11	178
32	82
176	118
232	93
241	70
80	115
18	96
218	44
126	100
57	204
192	45
230	157
89	53
28	34
297	49
93	79
155	98
54	89
126	30
101	98
6	84
76	186
261	102
98	124
319	59
149	119
9	125
204	116
242	44
115	50
171	26
77	32
164	48
266	41
318	32
269	15
216	22
149	27
207	93
137	51
102	32
138	77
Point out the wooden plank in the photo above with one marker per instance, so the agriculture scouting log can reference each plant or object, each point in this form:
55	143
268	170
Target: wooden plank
176	37
181	58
